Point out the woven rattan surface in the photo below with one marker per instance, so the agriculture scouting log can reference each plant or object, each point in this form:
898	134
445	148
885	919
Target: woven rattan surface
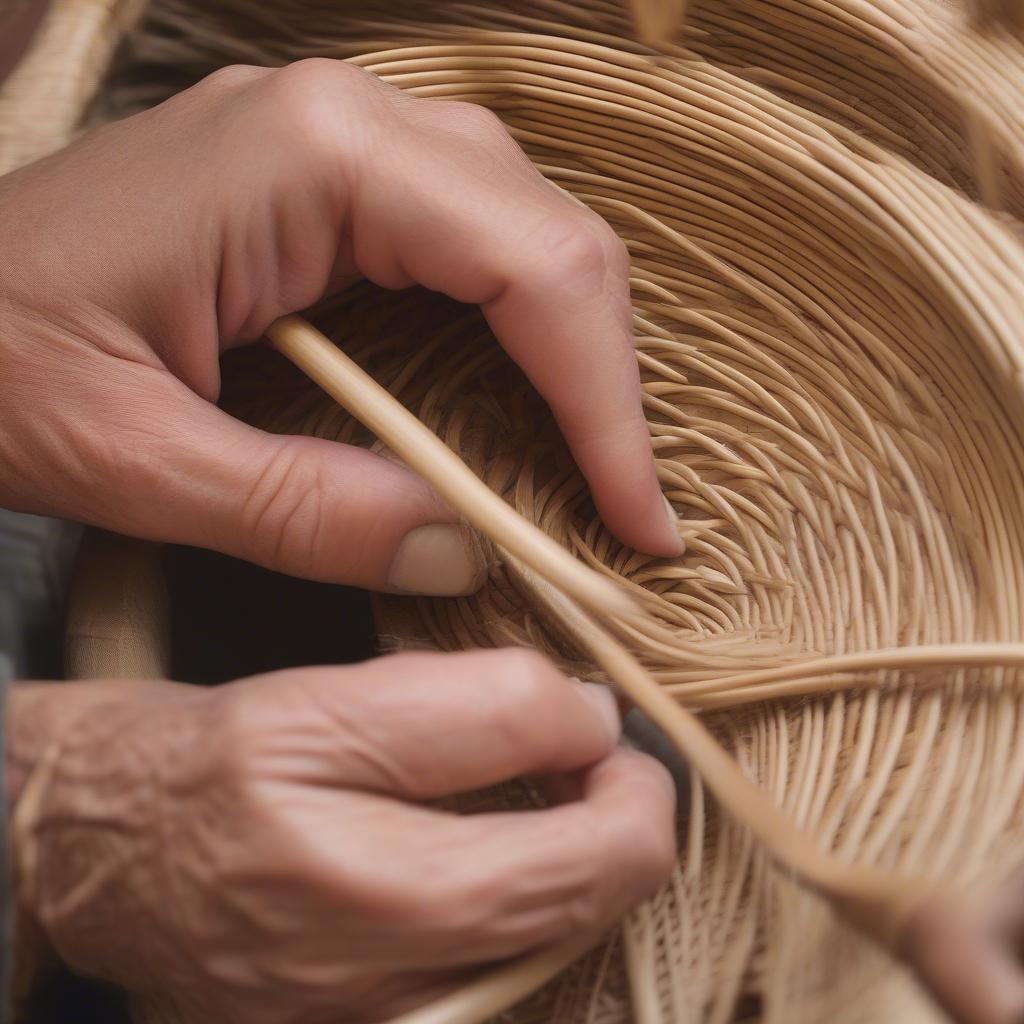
822	204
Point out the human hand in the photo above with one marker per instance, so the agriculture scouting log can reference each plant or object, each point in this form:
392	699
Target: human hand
262	852
131	259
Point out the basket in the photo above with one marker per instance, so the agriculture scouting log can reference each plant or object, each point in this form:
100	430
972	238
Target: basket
823	204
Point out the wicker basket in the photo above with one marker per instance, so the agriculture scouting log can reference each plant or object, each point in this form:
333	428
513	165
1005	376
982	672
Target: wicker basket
823	203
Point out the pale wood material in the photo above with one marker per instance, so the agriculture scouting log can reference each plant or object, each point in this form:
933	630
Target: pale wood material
828	325
884	906
494	992
434	461
658	22
42	100
827	329
118	621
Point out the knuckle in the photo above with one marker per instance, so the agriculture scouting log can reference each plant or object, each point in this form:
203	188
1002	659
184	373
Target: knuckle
238	742
473	119
326	109
301	100
526	676
576	252
304	82
230	76
526	681
282	514
589	911
451	908
318	87
632	857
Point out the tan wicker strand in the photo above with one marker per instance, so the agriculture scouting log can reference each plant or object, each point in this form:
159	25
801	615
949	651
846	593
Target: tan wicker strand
883	906
41	102
822	200
833	391
657	21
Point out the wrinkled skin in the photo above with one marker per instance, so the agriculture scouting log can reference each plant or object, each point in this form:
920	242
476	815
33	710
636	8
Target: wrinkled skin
261	853
132	258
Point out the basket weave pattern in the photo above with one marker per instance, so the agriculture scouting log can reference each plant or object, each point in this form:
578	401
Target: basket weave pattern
822	203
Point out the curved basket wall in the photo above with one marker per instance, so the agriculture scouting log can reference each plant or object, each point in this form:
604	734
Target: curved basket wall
821	201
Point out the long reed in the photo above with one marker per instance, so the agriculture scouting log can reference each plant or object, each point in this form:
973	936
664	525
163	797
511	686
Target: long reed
823	205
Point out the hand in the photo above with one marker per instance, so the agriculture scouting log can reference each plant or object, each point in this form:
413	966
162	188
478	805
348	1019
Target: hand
262	852
132	258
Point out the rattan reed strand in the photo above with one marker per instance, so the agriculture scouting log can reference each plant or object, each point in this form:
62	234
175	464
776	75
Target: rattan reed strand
822	202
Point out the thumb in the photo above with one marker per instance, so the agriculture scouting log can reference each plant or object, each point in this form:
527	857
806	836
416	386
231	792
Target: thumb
300	505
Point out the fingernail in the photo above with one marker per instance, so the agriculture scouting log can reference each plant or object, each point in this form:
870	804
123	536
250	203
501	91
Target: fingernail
602	700
673	522
440	560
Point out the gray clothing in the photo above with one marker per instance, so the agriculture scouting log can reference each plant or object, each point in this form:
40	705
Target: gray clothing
35	561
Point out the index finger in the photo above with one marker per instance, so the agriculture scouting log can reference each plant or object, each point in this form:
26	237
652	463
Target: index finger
479	223
565	317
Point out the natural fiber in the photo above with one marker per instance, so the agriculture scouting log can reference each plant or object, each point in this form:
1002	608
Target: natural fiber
902	913
822	203
41	102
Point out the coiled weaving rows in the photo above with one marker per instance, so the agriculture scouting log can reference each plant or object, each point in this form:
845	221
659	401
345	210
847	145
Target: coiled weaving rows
821	202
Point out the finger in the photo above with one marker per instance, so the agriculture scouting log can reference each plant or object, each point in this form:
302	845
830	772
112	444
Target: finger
568	291
188	473
504	883
552	278
550	874
425	725
966	949
973	976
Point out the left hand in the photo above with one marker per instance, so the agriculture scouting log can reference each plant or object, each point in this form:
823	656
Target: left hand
264	852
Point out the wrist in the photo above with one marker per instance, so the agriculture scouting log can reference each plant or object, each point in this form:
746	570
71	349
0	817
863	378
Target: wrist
84	772
31	955
27	729
38	715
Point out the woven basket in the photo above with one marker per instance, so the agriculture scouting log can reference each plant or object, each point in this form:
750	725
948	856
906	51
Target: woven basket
823	202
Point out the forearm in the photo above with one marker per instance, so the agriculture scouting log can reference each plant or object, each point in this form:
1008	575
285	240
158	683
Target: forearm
80	770
23	950
41	719
25	738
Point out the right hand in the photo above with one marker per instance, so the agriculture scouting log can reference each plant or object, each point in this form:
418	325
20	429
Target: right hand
131	259
263	852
